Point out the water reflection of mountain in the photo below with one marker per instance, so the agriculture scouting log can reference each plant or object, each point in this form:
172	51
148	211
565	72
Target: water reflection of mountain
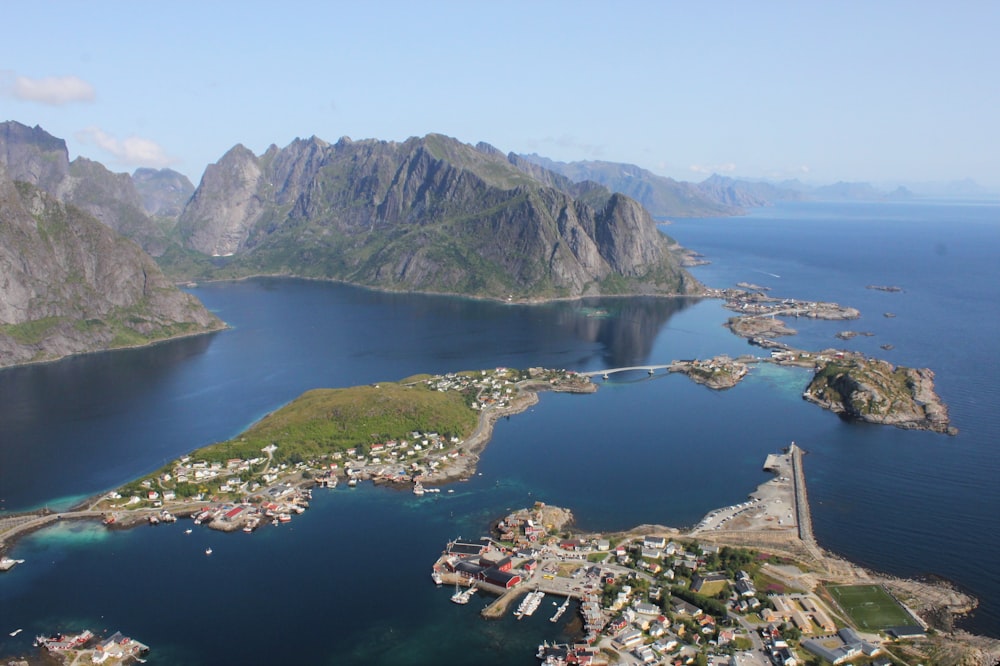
624	327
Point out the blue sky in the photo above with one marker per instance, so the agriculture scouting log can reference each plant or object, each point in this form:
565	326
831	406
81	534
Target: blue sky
878	91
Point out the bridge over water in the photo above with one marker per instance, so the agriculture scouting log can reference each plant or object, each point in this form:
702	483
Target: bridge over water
651	369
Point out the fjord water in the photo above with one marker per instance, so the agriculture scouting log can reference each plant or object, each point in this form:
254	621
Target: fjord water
348	582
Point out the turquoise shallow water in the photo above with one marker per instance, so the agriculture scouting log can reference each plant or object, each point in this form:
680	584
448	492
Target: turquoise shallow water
348	581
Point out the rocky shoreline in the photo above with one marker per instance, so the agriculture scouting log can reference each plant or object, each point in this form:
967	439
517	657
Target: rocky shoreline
846	383
878	392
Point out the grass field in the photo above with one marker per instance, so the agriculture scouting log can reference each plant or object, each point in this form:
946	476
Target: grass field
870	607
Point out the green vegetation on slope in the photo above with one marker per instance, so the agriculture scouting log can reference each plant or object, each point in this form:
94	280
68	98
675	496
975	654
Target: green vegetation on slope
324	421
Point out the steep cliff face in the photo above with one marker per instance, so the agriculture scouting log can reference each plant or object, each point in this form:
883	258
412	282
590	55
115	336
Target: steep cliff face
33	156
225	205
428	214
69	284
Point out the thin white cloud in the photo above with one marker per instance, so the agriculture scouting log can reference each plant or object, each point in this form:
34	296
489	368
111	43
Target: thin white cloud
728	167
133	150
54	90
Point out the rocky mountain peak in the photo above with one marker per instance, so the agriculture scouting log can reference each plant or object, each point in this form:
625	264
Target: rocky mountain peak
32	155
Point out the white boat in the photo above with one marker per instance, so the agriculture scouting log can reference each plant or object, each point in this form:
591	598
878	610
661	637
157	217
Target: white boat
7	563
188	531
208	551
418	489
459	597
436	577
529	604
16	632
463	596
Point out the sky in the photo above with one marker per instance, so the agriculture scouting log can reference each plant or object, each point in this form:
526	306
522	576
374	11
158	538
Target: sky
881	91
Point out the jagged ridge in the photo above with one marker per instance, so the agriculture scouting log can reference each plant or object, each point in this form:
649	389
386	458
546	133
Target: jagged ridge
428	214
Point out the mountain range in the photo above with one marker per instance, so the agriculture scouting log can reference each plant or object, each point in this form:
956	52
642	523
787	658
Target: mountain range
429	214
716	196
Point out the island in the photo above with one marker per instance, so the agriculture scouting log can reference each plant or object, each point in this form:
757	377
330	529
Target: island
876	391
720	372
748	585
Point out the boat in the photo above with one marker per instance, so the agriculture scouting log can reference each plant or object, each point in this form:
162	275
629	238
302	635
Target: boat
463	596
529	604
188	531
459	597
208	551
7	563
352	482
418	489
436	577
16	632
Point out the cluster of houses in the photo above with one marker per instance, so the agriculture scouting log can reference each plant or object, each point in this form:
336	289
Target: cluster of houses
492	389
755	303
802	610
640	597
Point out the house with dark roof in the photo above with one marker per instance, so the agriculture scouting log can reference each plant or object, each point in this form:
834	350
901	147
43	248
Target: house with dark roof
908	631
495	576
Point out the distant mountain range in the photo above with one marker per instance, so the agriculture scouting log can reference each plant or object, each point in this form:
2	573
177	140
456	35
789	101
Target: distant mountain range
718	196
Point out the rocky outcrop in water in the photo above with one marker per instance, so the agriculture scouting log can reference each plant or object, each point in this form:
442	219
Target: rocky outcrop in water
876	391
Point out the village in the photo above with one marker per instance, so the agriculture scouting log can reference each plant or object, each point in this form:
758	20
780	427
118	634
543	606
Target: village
87	648
672	597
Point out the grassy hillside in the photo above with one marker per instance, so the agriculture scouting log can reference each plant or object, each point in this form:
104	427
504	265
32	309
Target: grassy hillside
324	421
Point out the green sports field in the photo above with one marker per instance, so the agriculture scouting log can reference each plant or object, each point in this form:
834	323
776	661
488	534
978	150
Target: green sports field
870	607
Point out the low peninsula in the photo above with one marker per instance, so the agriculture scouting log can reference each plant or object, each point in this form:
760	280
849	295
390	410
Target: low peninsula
417	434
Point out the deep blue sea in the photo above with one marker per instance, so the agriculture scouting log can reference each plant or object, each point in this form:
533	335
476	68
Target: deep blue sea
348	581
